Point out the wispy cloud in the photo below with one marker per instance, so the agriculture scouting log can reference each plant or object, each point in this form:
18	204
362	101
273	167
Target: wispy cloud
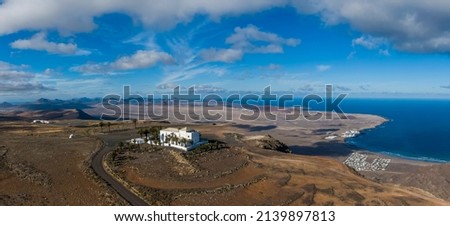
368	42
342	88
351	55
167	86
189	71
23	88
146	38
323	67
198	88
384	52
365	87
190	64
222	55
207	88
306	88
271	67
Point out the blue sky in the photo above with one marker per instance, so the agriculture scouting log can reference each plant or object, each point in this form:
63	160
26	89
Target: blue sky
67	48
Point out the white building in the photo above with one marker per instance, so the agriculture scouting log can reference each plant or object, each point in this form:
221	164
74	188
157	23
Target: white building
138	141
41	121
350	133
181	138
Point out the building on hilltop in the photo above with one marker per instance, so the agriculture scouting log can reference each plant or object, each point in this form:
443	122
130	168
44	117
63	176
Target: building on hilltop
41	122
181	138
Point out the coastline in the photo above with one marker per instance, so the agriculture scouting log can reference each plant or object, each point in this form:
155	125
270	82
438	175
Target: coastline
290	132
391	155
319	160
299	134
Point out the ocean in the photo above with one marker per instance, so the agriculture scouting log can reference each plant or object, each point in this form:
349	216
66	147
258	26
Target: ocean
418	129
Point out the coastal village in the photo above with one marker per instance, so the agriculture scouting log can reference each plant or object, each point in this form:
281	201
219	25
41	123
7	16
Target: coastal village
359	162
347	134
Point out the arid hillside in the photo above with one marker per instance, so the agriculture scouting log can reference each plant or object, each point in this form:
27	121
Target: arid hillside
243	173
40	165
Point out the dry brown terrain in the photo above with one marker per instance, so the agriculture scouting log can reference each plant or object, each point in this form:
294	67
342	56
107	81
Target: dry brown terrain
244	174
431	177
40	165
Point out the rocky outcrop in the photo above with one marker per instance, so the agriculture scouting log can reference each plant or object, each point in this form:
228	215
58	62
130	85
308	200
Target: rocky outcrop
271	143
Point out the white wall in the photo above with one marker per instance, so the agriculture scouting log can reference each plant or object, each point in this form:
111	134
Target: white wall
194	136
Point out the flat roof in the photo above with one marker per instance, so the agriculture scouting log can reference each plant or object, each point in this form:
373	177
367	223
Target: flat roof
172	129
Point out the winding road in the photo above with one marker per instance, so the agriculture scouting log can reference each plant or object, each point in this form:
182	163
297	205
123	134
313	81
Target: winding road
97	166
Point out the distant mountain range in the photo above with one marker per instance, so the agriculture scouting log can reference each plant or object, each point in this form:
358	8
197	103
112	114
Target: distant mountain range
47	109
57	104
6	105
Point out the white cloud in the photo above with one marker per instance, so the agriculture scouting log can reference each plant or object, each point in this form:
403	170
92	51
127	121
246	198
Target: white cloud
342	88
39	42
351	55
410	25
368	42
15	81
167	86
384	52
141	59
13	75
306	88
4	66
222	55
8	88
49	71
199	88
365	87
248	38
323	67
271	67
207	88
71	16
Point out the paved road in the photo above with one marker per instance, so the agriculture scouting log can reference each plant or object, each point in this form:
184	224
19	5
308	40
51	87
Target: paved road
97	165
